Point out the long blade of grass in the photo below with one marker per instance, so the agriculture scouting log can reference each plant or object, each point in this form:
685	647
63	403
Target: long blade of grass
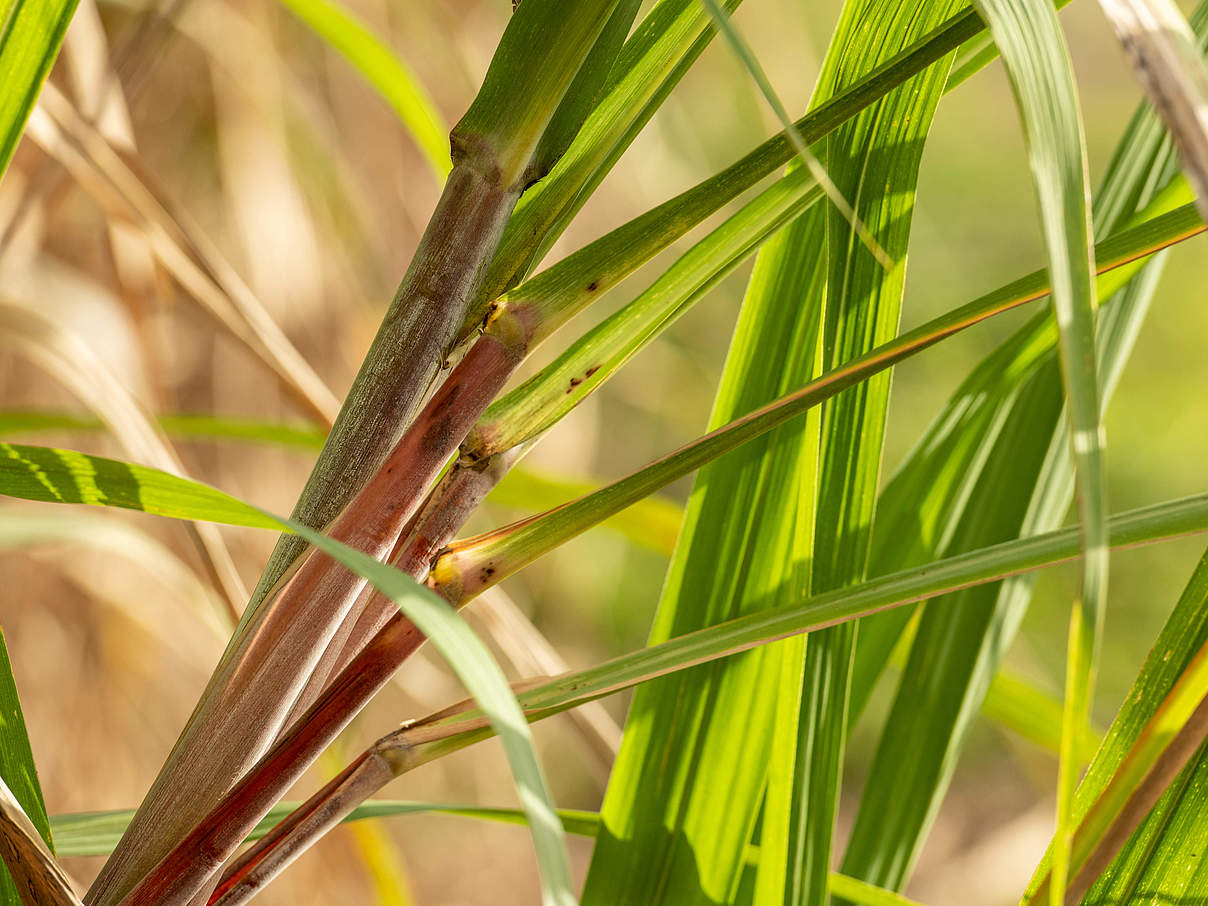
96	833
18	771
1170	65
959	489
680	805
475	563
873	159
990	564
816	170
385	71
1029	38
182	425
1161	859
30	34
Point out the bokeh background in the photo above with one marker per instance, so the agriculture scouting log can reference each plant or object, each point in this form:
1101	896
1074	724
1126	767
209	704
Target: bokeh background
307	183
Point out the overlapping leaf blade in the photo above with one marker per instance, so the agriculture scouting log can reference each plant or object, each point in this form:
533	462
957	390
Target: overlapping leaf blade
994	438
1163	861
873	160
690	835
1029	38
17	766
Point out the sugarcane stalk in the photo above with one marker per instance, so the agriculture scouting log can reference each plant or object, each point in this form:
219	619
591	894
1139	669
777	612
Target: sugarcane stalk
495	152
548	300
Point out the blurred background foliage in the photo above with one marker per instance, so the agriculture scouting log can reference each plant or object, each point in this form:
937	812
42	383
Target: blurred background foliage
310	185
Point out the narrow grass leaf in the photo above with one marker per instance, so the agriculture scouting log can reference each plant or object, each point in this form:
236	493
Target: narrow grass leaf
1163	521
680	805
1163	860
30	34
96	833
385	71
874	159
1029	38
185	426
67	476
17	769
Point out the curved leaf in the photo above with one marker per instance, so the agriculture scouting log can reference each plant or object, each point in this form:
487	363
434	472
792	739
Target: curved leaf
65	476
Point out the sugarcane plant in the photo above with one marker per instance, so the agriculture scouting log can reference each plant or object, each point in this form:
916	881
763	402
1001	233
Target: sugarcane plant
793	580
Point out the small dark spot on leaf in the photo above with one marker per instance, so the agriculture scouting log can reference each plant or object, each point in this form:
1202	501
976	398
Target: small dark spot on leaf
592	370
593	286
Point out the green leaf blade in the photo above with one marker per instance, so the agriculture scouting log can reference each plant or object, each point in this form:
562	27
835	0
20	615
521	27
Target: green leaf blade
17	766
30	34
1029	38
